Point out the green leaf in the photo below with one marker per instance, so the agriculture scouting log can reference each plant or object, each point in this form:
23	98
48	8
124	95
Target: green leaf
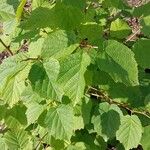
67	17
130	131
77	146
45	82
15	117
52	68
9	6
3	145
57	43
13	123
102	120
147	102
13	72
142	52
33	112
118	61
2	111
86	109
38	3
119	29
35	48
5	16
145	138
50	140
78	123
60	122
143	10
114	4
39	18
91	31
29	96
77	4
145	22
110	122
99	141
16	139
71	76
124	94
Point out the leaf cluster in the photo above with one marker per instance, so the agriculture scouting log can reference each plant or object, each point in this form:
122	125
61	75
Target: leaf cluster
74	75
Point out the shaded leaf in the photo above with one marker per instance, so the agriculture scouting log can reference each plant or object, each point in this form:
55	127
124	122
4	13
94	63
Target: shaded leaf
118	61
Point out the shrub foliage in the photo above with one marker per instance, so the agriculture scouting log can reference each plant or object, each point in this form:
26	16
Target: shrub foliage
74	75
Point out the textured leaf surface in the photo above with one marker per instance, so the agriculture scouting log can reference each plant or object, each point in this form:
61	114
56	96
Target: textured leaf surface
70	71
33	112
43	79
9	6
5	16
16	140
12	79
71	76
91	31
145	138
118	61
67	17
60	122
142	52
56	43
40	18
15	117
3	145
130	131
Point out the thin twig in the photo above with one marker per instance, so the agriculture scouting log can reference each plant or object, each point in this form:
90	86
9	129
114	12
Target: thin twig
41	140
7	47
28	59
97	93
86	9
134	34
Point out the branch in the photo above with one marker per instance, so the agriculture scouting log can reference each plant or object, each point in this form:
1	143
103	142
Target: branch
100	95
134	34
7	47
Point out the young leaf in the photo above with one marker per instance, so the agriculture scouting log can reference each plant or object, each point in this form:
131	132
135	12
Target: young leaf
119	29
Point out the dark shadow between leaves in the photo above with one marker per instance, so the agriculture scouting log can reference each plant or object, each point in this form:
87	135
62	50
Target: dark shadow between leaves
110	123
